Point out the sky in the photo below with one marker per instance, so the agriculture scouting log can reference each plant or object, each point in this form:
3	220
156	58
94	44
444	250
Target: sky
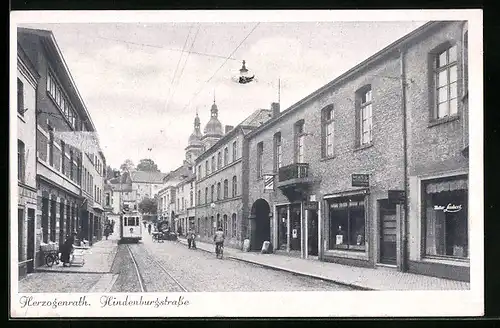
142	91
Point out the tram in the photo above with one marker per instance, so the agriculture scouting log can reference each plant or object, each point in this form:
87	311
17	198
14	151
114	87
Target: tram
130	227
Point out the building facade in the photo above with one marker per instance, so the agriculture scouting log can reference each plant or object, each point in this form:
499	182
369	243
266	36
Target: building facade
27	80
220	187
65	192
356	170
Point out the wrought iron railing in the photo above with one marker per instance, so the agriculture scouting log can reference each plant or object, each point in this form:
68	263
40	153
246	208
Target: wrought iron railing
293	171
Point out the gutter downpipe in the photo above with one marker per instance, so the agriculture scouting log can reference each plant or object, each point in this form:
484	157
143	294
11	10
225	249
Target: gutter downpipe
404	239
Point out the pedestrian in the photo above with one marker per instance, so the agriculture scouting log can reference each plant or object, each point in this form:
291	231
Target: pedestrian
107	231
149	228
67	249
190	238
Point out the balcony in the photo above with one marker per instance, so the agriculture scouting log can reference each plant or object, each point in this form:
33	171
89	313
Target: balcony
293	171
294	180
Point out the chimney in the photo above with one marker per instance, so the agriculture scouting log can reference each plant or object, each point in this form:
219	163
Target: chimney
275	107
228	128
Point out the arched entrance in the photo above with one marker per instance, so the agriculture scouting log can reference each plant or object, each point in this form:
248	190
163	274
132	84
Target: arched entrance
260	225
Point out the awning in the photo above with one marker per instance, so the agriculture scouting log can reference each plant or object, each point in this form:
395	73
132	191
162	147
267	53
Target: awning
458	184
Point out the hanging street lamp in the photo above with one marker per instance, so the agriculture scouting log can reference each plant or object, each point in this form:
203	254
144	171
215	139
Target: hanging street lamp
244	76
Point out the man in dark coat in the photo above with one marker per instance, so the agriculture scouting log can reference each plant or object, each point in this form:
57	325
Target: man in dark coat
67	248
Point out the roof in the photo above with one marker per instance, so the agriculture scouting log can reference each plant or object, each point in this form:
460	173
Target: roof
406	40
53	49
257	118
147	177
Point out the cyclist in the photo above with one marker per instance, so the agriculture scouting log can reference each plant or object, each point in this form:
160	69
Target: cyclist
218	239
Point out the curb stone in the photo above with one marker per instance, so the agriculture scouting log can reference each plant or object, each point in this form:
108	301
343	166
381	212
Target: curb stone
277	268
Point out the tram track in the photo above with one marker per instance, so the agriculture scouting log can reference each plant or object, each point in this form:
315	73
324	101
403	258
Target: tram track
171	282
140	279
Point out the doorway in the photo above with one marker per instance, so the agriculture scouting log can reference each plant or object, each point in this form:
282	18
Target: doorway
312	233
388	233
30	247
295	227
262	230
61	224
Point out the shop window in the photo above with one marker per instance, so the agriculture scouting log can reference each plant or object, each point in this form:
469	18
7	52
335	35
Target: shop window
20	233
347	223
45	220
446	219
282	227
53	220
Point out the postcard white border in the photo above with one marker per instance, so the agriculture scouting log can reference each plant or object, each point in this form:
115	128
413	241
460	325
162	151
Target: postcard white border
279	304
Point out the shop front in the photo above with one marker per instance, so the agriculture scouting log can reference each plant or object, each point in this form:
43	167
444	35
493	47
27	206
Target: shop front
346	229
444	228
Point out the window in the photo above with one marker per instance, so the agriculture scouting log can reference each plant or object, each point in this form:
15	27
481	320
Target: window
191	200
260	159
199	197
218	190
219	160
225	225
45	219
21	161
53	220
214	167
347	223
445	218
226	191
233	225
299	141
446	82
235	151
63	157
226	155
278	152
20	97
51	148
466	60
107	199
212	193
206	195
235	186
364	114
206	226
207	169
198	173
328	131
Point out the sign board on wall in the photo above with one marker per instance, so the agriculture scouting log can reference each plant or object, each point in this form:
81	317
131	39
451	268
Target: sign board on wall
396	196
313	206
294	233
360	180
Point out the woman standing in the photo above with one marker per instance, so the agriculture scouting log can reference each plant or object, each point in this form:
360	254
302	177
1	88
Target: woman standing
67	248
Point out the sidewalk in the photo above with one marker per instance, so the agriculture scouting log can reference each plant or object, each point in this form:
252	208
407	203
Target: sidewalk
93	277
357	277
99	258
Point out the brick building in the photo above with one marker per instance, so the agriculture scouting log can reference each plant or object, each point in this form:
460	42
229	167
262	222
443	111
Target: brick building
67	176
27	80
221	191
392	125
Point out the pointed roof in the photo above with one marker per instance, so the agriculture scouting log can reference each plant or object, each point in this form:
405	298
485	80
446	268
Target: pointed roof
214	126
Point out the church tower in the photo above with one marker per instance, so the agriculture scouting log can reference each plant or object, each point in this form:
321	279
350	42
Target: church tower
213	130
195	145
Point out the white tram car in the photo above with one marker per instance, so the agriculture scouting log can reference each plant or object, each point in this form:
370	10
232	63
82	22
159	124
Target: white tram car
130	227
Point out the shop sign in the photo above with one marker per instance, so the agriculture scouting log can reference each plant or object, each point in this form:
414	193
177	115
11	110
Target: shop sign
339	239
313	206
396	196
450	208
360	180
268	182
294	233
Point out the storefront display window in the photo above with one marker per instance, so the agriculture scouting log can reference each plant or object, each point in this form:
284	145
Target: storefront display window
347	223
282	227
445	218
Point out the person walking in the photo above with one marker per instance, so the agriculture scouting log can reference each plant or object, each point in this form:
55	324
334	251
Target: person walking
190	238
107	231
149	228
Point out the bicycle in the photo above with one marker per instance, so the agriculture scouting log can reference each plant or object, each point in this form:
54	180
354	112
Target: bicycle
52	257
219	250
